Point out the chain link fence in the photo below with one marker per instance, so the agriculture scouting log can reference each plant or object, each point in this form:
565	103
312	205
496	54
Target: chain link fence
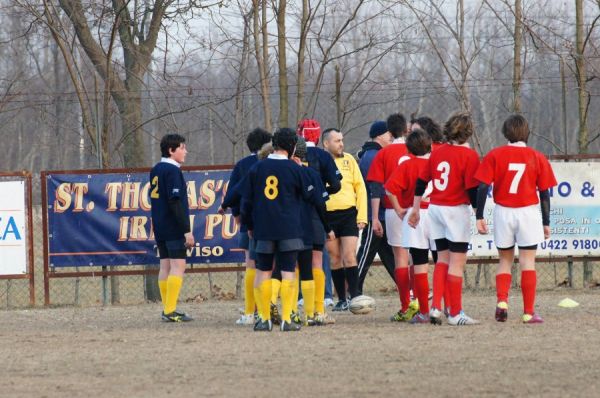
197	287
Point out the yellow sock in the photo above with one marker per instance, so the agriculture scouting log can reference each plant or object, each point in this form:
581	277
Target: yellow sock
275	287
308	294
162	286
296	286
258	301
249	291
265	299
319	277
173	287
287	296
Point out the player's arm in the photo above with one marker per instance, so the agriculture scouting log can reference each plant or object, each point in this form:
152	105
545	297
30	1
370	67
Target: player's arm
361	196
232	199
414	217
482	192
332	175
545	205
247	193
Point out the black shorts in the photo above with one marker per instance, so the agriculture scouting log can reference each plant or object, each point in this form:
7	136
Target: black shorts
171	249
318	232
343	222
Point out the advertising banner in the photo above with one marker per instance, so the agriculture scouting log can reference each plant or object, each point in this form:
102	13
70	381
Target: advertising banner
104	219
13	233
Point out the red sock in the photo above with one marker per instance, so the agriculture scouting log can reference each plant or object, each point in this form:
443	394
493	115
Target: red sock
422	292
402	281
455	287
440	272
447	296
412	279
502	287
528	283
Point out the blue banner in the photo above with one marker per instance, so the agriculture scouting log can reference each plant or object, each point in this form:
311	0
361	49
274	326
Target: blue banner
104	219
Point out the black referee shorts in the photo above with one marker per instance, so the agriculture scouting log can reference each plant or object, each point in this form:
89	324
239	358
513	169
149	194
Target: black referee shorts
343	222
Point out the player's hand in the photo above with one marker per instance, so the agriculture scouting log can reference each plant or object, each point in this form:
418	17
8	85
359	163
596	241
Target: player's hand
189	240
331	235
482	226
221	210
414	217
361	225
401	213
238	220
250	234
546	232
377	227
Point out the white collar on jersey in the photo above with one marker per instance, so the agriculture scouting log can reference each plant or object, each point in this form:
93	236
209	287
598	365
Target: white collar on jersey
520	144
310	143
277	156
466	144
399	140
170	161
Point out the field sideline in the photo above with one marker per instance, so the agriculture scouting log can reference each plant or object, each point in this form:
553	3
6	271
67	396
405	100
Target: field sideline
126	351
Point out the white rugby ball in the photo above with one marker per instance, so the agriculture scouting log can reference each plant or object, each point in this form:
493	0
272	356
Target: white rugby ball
362	305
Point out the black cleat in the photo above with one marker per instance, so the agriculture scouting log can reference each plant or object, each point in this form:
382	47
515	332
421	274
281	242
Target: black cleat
290	326
176	317
341	305
263	326
295	317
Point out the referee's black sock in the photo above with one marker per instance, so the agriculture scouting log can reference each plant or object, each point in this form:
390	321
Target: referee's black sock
339	281
352	277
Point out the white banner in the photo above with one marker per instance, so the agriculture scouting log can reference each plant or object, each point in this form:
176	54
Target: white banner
13	233
574	214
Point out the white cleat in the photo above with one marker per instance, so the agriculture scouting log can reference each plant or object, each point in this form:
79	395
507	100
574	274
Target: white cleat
462	319
245	320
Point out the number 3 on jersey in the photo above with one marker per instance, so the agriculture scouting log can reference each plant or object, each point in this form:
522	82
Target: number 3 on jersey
271	190
520	169
442	183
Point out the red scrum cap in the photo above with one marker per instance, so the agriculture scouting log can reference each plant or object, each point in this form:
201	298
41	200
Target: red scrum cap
310	130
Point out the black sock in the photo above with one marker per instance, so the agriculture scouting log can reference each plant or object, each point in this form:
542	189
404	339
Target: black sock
352	277
339	281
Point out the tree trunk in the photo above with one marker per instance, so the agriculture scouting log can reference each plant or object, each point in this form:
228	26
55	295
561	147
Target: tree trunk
262	55
301	58
282	63
582	94
518	40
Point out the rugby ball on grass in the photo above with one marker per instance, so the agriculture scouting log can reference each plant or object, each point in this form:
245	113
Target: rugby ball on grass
362	305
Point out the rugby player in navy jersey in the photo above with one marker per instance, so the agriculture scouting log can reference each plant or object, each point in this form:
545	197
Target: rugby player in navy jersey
315	227
171	223
321	161
255	140
273	195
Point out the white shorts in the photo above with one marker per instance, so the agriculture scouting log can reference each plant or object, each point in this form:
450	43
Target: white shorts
417	238
517	225
450	222
393	228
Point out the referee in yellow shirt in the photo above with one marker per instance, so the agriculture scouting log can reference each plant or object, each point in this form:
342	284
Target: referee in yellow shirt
347	213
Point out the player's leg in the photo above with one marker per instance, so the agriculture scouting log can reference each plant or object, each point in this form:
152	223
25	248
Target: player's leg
440	275
420	259
163	272
307	285
458	259
287	263
528	283
262	290
369	243
249	302
349	244
177	254
337	272
503	281
275	292
401	274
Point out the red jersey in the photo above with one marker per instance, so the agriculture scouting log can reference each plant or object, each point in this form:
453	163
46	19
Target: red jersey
517	172
385	162
452	170
403	180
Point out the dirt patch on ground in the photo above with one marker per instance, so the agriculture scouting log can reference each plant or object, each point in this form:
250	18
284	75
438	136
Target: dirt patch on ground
127	351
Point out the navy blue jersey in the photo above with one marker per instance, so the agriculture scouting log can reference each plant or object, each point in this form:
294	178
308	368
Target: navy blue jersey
323	163
273	194
166	185
309	212
233	197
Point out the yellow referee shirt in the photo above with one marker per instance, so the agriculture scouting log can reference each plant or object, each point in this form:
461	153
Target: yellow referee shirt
353	192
